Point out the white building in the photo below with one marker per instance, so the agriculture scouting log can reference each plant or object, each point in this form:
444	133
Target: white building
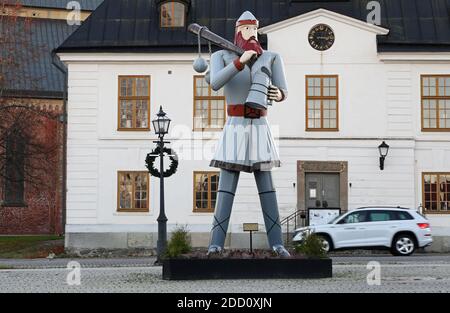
371	84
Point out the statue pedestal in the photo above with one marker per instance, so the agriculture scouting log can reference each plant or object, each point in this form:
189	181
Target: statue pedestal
223	268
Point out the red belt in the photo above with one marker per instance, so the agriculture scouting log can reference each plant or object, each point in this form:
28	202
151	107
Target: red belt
245	111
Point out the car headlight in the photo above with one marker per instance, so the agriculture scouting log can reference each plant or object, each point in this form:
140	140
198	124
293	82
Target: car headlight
302	233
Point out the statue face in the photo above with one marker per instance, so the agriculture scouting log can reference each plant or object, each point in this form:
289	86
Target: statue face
248	31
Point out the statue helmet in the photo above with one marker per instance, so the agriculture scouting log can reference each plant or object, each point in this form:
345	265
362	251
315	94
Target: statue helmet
247	18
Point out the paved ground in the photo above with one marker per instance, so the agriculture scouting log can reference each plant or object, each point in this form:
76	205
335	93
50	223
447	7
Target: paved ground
420	273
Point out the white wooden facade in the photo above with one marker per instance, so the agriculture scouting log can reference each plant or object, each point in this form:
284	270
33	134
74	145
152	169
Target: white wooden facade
379	99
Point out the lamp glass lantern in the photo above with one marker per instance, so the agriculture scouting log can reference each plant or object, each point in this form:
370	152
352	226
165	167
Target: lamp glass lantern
383	149
162	123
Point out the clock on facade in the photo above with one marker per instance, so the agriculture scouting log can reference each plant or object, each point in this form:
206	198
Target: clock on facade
321	37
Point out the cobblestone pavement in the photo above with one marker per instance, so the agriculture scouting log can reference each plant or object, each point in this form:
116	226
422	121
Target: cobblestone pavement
412	274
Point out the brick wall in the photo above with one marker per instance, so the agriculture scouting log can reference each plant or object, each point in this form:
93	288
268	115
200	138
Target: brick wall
43	211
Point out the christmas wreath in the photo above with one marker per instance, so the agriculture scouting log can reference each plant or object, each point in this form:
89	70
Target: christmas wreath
151	157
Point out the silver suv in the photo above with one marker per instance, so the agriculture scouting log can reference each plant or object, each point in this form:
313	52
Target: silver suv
399	229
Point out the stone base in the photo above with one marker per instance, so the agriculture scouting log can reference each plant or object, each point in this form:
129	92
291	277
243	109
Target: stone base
137	241
86	241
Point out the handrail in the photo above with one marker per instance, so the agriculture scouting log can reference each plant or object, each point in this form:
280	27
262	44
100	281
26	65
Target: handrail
285	221
289	217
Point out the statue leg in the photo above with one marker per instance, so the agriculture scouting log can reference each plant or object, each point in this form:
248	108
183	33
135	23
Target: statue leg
269	205
225	195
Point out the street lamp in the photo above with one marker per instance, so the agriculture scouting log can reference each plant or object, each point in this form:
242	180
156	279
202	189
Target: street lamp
161	125
383	149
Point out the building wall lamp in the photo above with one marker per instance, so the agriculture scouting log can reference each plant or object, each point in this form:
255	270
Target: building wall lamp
383	148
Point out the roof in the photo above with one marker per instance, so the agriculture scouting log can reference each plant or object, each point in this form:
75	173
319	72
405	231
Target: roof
86	5
133	25
38	76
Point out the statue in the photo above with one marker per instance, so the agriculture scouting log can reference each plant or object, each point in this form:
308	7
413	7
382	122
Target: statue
253	78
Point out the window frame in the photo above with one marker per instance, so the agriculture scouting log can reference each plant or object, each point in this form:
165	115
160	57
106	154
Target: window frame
133	209
194	206
161	26
437	98
208	98
425	210
133	98
321	98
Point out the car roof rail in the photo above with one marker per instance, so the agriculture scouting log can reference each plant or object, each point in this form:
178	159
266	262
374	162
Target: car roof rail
383	207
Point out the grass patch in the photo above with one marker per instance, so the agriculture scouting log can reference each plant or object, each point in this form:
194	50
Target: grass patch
5	267
27	247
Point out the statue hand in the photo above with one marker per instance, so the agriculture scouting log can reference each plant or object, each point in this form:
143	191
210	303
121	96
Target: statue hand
247	56
275	93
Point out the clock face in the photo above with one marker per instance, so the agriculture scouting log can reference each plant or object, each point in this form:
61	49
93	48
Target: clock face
321	37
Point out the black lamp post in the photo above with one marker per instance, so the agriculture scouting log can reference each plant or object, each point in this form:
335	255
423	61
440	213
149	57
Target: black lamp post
383	149
161	125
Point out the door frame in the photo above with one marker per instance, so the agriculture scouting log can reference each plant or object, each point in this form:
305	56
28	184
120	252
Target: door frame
340	167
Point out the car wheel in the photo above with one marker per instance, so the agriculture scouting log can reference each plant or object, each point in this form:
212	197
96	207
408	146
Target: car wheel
403	245
326	243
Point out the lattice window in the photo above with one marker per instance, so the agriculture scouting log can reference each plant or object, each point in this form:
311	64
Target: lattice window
132	192
206	185
209	106
322	110
435	102
134	103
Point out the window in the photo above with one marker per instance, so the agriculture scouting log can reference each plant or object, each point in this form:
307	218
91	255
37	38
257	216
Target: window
356	217
322	111
14	171
132	192
435	102
206	185
173	14
209	106
402	216
436	192
134	103
381	216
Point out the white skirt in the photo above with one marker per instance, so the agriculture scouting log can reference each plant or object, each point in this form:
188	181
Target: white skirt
246	145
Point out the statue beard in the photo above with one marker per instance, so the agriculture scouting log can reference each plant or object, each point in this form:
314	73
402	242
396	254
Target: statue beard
251	44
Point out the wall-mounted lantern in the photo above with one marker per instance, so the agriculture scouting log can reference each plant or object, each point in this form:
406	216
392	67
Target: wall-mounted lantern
383	149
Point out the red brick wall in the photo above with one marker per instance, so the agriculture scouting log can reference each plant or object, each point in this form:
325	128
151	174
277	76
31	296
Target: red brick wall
43	212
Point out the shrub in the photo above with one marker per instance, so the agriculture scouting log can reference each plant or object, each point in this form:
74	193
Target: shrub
179	243
311	246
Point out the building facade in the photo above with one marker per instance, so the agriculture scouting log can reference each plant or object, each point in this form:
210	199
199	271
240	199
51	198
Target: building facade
31	115
372	83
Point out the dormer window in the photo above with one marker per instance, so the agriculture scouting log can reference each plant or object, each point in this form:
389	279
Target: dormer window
173	14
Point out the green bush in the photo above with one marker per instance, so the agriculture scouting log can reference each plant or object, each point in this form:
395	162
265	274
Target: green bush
311	247
179	243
